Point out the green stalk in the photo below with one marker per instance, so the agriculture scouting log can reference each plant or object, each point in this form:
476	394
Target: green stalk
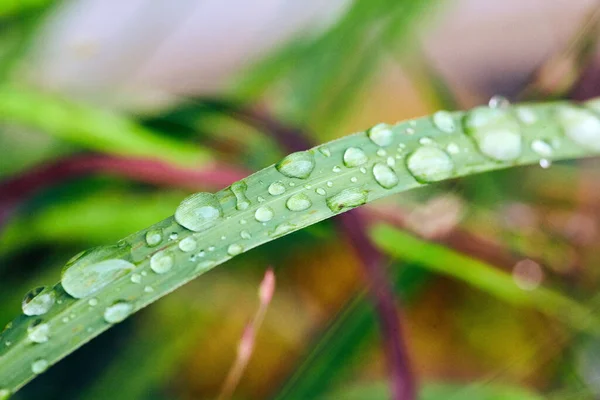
105	285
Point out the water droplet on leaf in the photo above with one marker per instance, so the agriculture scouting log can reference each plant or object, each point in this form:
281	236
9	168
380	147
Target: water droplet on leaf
385	176
354	157
429	164
38	332
39	366
264	214
297	165
239	191
38	301
199	212
276	188
298	202
188	244
117	312
496	132
580	125
154	237
444	121
235	249
347	199
161	262
381	135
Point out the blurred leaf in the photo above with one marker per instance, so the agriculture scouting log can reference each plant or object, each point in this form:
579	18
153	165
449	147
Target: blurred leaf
484	277
10	8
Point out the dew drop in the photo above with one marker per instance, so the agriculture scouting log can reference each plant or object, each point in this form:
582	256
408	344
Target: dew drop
354	179
496	133
542	147
38	366
297	165
429	164
148	289
499	102
161	262
264	214
188	244
211	248
239	191
204	265
235	249
526	115
381	135
453	148
245	235
136	278
154	237
444	121
325	151
93	302
282	229
391	162
581	126
381	153
199	212
298	202
173	236
38	332
243	222
347	199
329	184
276	188
363	170
320	191
89	272
38	301
117	312
426	141
385	176
354	157
336	169
545	163
261	199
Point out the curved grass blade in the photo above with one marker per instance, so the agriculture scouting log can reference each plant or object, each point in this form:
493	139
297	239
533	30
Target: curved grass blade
107	284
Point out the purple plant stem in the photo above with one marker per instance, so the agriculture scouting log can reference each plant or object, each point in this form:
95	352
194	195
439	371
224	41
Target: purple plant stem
351	225
19	188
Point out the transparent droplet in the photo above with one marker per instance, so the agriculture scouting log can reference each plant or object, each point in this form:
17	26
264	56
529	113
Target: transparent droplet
276	188
245	235
496	132
235	249
297	165
38	366
90	271
385	176
173	236
239	191
38	332
444	121
325	151
199	212
188	244
264	214
38	301
354	179
426	141
282	229
452	148
320	191
580	125
93	302
329	184
347	199
381	135
526	115
261	199
336	169
354	157
545	163
429	164
363	170
381	152
161	262
391	162
117	312
154	237
148	289
298	202
136	278
204	265
542	148
499	102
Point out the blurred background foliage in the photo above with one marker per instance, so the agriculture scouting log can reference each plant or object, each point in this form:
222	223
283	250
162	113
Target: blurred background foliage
111	112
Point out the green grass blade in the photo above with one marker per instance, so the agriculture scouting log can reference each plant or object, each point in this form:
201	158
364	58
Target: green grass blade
303	189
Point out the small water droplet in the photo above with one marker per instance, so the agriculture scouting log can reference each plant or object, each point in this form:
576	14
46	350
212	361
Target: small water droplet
261	199
453	148
526	115
325	151
381	153
239	191
354	157
426	141
354	179
173	236
391	162
136	278
320	191
444	121
161	262
381	135
298	202
38	301
429	164
282	229
264	214
276	188
89	272
363	170
38	366
336	169
410	131
188	244
211	248
148	289
297	165
329	184
243	222
117	312
496	132
347	199
154	237
245	235
235	249
93	302
580	125
199	212
204	265
385	176
38	332
499	102
542	148
201	254
545	163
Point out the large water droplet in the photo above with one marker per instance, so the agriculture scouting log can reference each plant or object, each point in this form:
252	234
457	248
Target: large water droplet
38	332
239	191
347	199
199	211
235	249
117	312
89	272
580	125
444	121
354	157
282	229
161	262
264	214
297	165
381	135
188	244
276	188
298	202
429	164
38	366
38	301
385	176
154	237
496	132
